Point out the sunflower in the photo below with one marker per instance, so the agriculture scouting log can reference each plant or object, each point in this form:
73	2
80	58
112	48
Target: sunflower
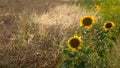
87	21
96	7
74	43
108	25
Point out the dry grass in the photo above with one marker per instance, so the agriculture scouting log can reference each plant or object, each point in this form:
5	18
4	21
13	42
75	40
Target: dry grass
29	6
35	41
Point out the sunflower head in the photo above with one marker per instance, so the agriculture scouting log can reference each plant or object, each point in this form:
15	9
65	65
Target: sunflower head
74	43
96	7
87	21
108	25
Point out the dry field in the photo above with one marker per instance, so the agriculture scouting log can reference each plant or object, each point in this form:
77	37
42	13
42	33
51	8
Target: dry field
32	32
29	6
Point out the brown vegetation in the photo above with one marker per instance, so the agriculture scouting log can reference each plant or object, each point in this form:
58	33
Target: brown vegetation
26	43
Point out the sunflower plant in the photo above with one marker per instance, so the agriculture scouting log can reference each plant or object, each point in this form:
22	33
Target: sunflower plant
76	55
74	43
108	25
96	7
94	44
87	21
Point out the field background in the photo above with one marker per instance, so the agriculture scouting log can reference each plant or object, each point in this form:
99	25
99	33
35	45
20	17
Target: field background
29	35
38	6
33	32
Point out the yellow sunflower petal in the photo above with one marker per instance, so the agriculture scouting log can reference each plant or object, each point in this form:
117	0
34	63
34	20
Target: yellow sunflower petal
108	25
74	43
96	7
87	21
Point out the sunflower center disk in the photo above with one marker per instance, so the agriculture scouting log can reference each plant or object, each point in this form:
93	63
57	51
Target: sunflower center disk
74	43
108	25
87	22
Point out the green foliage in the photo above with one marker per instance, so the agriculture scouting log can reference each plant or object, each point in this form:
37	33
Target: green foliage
98	44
